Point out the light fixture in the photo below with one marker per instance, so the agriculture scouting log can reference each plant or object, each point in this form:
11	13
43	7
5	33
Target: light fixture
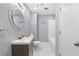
21	6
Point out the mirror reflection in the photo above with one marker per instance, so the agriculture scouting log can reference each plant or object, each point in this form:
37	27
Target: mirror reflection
17	18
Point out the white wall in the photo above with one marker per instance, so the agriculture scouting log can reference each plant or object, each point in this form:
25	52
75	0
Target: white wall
69	30
26	28
51	33
51	28
6	37
33	27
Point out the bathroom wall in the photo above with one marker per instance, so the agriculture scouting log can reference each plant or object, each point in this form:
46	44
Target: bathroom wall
10	34
51	32
26	28
69	22
5	39
33	25
51	28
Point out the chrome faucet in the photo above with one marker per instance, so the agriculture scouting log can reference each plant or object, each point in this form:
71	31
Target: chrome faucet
20	37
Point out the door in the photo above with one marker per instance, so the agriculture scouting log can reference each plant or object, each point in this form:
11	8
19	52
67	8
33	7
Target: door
69	21
43	28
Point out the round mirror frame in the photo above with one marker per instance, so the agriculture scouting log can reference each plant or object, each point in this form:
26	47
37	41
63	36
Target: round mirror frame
11	16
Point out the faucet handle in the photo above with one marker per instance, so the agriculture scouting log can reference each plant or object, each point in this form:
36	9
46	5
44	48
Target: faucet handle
20	37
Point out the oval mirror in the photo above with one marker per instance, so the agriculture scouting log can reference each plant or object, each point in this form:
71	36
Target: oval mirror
17	18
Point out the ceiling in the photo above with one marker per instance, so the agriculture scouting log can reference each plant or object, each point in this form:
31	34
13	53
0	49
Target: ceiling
42	8
64	5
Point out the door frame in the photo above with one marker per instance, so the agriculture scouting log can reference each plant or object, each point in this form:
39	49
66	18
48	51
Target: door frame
57	31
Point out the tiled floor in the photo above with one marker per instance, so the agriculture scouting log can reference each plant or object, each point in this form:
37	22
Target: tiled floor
43	50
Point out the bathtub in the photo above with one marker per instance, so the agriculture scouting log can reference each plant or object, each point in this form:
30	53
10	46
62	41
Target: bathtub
51	42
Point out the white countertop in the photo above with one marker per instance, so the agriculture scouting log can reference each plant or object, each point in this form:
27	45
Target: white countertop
24	40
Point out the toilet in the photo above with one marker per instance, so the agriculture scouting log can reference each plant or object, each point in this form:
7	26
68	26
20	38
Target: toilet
36	44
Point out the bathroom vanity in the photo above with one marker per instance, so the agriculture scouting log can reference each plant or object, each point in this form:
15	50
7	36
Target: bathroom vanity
23	47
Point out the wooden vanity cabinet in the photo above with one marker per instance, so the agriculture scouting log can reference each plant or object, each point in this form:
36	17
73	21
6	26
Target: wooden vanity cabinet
22	49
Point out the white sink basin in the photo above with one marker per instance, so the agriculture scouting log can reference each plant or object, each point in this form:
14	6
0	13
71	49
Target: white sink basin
24	40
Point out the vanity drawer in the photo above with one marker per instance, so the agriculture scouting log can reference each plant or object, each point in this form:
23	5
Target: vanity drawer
22	50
